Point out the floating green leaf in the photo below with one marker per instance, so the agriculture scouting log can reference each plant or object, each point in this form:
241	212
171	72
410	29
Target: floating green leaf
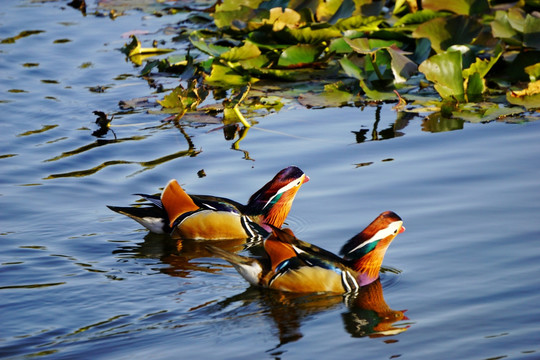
245	52
173	100
223	17
255	63
208	48
529	97
360	45
340	46
299	55
359	22
501	28
462	7
308	35
181	100
327	9
376	94
419	17
351	69
283	19
445	32
445	71
531	32
134	48
224	76
485	112
335	94
284	74
402	66
533	71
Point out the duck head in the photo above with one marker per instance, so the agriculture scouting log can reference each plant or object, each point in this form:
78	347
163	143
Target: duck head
365	251
274	200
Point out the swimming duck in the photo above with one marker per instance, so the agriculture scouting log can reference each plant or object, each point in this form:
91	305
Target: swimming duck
294	265
210	217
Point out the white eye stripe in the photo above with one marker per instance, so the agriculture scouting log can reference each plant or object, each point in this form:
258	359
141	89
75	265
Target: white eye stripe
381	234
285	188
289	186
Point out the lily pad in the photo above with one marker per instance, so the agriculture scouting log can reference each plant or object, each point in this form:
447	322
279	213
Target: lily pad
223	17
501	28
376	94
359	22
402	66
531	32
224	76
445	32
298	55
419	17
529	97
247	51
333	95
326	9
533	71
134	48
283	18
352	69
463	7
208	48
485	112
308	35
445	71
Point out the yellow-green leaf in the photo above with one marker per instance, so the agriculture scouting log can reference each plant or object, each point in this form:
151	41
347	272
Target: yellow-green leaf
247	51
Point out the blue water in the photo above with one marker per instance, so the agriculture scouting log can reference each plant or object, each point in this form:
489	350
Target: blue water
79	281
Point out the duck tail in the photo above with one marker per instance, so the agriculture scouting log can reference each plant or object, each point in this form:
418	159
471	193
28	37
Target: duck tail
176	201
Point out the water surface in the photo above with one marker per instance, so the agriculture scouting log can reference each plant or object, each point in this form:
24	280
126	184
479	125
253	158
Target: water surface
77	279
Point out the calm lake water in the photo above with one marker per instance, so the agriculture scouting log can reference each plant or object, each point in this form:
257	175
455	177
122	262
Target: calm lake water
79	281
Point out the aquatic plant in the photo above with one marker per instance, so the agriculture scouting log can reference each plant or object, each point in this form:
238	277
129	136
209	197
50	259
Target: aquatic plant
464	58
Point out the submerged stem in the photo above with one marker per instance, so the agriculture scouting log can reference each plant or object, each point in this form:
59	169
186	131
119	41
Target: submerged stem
241	117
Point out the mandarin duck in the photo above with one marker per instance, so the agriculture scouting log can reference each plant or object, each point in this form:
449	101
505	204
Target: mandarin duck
294	265
209	217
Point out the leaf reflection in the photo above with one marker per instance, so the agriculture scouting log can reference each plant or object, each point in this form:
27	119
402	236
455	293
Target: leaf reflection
436	122
91	146
146	165
387	133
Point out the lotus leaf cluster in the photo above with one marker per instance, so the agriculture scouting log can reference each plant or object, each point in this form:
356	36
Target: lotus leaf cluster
467	59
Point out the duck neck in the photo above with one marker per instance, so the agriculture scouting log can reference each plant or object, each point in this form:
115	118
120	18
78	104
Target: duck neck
369	265
271	210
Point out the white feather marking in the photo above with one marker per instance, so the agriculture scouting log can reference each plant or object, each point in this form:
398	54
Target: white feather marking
381	234
287	187
250	272
153	224
208	206
298	250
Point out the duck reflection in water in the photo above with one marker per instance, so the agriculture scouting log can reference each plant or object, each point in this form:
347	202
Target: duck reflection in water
181	257
366	312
